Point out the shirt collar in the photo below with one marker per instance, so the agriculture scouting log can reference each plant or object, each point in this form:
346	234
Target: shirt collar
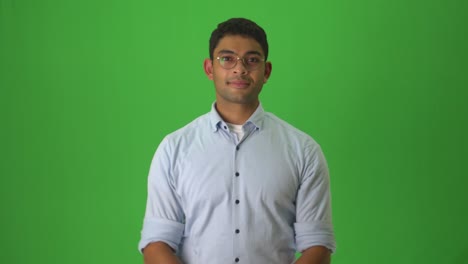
256	119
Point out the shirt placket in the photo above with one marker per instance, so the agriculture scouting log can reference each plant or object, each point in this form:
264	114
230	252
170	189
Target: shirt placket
237	203
235	228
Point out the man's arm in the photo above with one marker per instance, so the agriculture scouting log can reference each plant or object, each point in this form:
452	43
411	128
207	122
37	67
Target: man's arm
163	225
159	253
313	227
315	255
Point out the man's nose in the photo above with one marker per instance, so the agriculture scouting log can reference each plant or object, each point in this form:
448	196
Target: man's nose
240	67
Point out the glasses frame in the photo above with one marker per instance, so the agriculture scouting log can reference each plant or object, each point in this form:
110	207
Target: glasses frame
248	67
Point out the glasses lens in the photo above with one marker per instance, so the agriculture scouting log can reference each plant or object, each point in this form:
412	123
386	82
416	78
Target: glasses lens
227	61
252	61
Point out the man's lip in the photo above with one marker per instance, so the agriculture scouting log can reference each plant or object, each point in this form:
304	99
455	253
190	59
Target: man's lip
238	82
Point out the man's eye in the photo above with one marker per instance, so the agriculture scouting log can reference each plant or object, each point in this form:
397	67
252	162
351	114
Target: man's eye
227	58
253	60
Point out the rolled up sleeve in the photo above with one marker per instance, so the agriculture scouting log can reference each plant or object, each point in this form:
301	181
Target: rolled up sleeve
164	217
157	229
315	233
313	225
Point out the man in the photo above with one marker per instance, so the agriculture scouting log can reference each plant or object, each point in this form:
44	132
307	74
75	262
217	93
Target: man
238	185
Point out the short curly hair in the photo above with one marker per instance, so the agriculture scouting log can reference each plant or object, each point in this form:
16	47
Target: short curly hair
239	26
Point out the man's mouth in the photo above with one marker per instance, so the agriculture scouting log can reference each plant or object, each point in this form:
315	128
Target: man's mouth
239	83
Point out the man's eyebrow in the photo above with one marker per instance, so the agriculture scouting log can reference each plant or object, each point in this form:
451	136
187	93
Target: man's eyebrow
232	52
253	52
226	52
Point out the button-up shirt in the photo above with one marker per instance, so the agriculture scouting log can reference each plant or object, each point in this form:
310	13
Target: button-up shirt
215	199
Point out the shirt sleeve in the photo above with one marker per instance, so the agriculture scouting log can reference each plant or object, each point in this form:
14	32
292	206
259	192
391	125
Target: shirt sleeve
164	217
313	225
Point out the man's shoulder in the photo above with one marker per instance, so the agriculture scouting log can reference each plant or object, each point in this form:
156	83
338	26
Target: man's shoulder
281	125
199	124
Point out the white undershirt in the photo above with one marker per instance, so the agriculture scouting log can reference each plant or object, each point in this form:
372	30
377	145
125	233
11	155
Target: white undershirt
236	129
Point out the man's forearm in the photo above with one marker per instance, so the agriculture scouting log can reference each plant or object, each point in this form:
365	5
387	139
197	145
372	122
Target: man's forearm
315	255
160	253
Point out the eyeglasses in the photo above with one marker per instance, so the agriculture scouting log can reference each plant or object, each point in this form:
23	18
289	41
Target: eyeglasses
251	62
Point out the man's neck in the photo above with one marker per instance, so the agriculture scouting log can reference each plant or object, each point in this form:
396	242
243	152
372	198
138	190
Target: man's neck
236	114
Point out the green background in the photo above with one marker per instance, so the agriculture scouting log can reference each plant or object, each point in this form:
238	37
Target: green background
89	89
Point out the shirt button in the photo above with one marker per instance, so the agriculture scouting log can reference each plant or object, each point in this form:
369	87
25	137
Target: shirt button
237	259
237	148
225	127
237	231
237	202
237	174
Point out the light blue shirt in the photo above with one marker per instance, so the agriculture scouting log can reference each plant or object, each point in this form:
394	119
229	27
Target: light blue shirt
215	199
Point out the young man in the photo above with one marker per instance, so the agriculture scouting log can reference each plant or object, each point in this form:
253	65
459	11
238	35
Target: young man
238	184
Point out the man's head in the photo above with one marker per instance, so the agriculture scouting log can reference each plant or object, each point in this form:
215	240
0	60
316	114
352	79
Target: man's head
238	62
242	27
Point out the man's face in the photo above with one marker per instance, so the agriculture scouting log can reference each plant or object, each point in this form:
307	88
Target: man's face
240	84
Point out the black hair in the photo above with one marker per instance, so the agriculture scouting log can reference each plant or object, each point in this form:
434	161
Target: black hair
239	26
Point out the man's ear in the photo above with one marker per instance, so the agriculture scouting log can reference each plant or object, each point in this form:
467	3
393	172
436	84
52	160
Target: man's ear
268	68
208	67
